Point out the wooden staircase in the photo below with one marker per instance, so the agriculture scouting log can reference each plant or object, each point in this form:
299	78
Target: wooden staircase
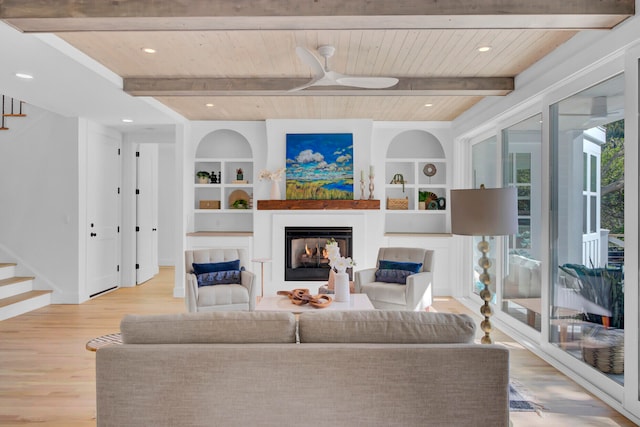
9	109
17	295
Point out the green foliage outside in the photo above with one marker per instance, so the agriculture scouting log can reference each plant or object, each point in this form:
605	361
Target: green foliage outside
612	179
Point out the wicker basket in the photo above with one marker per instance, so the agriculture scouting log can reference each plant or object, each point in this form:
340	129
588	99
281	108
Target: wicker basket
605	351
397	204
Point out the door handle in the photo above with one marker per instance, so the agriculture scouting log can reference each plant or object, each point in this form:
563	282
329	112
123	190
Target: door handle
154	229
94	234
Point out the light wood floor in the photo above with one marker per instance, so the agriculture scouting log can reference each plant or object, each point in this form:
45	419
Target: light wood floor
48	378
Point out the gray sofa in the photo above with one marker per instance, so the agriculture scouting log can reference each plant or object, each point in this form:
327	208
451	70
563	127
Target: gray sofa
368	368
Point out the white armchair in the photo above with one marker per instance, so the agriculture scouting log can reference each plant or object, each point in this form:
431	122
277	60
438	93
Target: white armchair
223	297
416	295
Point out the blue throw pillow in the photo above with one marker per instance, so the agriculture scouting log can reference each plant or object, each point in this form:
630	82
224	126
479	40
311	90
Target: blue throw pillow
414	267
393	276
219	278
215	266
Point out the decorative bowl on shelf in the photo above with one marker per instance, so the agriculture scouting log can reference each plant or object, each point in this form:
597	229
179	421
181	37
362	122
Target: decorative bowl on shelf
238	199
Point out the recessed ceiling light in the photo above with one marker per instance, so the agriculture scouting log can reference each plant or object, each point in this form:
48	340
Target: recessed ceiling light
428	105
127	121
148	50
484	48
24	76
208	104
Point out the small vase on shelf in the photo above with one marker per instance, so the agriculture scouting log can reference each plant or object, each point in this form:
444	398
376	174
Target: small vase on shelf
341	286
275	191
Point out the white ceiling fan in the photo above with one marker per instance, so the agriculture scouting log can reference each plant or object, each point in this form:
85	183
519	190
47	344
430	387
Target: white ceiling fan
322	76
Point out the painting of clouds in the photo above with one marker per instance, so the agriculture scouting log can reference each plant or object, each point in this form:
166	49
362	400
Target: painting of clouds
319	166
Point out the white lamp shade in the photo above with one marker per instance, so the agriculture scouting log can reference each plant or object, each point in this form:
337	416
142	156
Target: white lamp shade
484	211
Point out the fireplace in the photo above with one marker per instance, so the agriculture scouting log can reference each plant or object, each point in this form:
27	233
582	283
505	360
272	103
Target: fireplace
305	251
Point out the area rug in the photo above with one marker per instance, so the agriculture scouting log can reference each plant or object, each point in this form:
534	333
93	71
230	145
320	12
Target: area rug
517	400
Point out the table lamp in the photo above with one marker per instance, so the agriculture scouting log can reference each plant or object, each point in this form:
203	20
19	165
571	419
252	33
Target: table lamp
484	212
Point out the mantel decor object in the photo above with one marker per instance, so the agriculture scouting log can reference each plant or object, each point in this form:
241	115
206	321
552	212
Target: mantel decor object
484	212
274	177
371	177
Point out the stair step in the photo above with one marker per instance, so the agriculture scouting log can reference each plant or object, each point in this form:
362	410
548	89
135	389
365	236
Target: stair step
15	285
23	303
7	270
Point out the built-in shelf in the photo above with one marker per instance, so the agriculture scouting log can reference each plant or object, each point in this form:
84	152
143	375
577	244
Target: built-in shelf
317	204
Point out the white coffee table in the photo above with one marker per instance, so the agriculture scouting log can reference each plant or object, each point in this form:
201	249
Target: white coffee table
283	303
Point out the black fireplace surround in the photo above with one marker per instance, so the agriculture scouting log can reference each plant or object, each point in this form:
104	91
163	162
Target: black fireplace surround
305	254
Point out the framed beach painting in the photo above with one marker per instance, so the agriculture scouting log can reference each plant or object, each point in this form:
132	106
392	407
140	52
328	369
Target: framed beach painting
319	166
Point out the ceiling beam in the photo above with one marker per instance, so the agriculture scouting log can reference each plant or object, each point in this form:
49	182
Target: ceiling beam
459	86
184	15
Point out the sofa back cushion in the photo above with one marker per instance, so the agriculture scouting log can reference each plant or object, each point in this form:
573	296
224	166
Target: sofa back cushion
230	327
393	327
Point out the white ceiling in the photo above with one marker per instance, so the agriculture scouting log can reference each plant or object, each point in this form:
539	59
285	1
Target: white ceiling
68	84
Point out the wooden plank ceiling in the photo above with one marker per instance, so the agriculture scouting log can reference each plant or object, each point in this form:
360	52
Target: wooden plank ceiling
236	59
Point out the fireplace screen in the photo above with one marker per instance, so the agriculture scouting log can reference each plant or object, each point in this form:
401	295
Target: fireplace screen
306	253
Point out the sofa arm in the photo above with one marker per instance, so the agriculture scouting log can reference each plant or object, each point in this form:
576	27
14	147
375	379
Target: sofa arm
247	279
362	277
191	299
419	290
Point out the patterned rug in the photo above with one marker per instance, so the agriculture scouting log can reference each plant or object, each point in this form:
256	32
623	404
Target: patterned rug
518	402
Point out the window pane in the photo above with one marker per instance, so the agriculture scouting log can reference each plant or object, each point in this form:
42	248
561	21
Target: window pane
594	174
521	286
483	160
585	170
587	287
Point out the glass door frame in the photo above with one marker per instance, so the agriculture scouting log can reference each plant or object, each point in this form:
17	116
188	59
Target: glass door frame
631	399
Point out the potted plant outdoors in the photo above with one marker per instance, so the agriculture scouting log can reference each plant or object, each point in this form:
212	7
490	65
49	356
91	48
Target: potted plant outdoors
204	177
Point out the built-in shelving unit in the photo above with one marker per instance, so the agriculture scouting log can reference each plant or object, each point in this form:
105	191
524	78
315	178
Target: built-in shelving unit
222	153
418	159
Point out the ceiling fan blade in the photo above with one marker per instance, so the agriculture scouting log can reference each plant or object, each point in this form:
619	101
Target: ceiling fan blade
310	59
311	82
367	82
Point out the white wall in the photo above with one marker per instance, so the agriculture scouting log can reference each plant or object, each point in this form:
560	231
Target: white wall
166	204
39	190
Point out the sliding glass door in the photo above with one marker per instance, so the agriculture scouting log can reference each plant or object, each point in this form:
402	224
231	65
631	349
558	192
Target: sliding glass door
587	289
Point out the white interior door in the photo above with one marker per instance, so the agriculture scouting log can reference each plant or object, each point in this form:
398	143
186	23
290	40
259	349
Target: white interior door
103	213
146	212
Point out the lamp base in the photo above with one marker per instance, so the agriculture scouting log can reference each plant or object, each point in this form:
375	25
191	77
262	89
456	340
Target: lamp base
485	294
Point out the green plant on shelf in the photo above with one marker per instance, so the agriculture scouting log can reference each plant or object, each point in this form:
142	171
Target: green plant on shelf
240	204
